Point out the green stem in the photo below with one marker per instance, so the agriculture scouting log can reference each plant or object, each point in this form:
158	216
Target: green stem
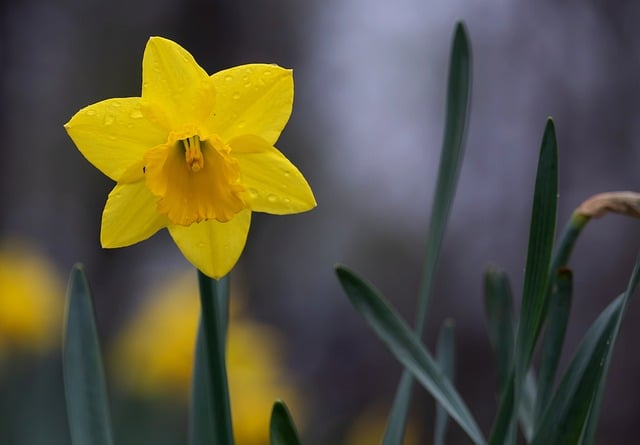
214	300
567	241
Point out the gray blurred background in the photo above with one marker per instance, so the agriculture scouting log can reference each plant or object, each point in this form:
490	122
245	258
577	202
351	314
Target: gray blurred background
366	131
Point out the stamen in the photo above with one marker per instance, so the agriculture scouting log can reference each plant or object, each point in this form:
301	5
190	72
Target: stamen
193	154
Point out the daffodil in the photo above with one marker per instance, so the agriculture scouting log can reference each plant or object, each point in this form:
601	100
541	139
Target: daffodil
31	301
369	427
195	154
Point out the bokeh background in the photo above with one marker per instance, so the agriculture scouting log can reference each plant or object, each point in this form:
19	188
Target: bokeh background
366	130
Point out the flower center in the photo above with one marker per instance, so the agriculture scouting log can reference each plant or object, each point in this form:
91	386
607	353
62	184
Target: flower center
195	177
193	154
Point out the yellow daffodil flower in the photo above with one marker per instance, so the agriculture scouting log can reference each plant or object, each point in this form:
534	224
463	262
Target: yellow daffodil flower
169	317
369	426
31	301
193	154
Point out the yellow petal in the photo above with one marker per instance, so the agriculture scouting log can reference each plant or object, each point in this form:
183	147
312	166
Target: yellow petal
211	246
173	81
252	99
130	216
273	184
114	134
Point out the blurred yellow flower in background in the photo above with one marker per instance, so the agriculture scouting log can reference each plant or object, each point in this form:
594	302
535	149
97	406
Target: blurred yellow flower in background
193	154
369	428
153	356
31	301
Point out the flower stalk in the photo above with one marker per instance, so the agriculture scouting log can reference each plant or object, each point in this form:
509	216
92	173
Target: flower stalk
214	299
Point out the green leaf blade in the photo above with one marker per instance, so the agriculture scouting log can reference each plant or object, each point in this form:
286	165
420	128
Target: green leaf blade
534	296
446	360
394	433
406	347
558	318
498	301
452	153
574	406
84	381
541	234
282	430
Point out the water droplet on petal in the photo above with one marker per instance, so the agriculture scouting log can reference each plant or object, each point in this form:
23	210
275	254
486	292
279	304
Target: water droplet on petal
287	173
236	95
286	200
136	114
253	193
201	245
266	73
108	120
272	198
91	112
228	78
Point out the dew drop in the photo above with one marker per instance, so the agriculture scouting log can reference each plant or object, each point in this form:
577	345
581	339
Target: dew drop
136	114
108	120
241	124
236	95
201	245
266	73
253	193
272	198
286	200
91	112
287	173
228	78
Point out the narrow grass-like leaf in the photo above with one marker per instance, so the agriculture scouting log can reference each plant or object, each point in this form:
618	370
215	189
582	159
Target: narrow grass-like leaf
445	357
84	382
498	302
564	420
501	325
536	280
541	233
282	428
407	348
526	408
503	430
457	112
394	433
558	317
589	430
214	296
